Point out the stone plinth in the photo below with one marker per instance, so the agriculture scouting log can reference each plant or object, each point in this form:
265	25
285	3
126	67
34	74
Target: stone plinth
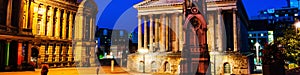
154	62
238	63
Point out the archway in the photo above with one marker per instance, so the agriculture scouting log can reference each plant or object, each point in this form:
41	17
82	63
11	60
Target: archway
35	56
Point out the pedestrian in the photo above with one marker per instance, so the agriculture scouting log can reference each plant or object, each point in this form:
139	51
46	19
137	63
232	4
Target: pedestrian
44	70
98	68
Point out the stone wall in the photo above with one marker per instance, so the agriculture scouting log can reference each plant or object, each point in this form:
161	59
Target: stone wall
238	63
159	58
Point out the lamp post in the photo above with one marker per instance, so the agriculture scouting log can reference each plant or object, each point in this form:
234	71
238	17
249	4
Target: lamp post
257	52
143	51
297	25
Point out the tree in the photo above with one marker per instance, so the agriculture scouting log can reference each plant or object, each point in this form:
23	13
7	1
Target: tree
291	45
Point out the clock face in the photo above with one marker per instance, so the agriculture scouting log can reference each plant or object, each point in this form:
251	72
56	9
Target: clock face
194	10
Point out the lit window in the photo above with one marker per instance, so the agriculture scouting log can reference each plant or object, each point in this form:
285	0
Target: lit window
105	32
227	68
141	66
252	41
153	66
167	67
286	14
261	34
250	35
295	14
276	15
121	33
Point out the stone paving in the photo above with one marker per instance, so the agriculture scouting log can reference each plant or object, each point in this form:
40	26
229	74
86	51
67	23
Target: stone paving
104	70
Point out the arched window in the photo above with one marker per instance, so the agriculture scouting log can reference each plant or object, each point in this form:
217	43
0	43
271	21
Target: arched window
153	66
227	68
141	66
167	67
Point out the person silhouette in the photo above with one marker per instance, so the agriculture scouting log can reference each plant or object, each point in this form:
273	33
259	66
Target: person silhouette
44	70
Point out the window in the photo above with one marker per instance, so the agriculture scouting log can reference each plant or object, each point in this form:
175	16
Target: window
167	67
141	66
105	32
227	68
153	66
121	33
286	14
276	15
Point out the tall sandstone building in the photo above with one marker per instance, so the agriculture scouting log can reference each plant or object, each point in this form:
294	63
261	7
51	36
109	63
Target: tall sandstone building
38	31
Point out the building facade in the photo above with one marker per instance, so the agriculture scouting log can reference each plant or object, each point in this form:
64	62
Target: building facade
84	43
37	31
161	31
52	23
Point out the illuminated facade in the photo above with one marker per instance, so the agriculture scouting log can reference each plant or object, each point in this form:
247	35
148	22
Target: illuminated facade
37	31
52	23
164	36
84	43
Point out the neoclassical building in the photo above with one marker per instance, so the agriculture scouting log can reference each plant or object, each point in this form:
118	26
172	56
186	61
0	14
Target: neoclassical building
161	32
38	31
84	43
52	22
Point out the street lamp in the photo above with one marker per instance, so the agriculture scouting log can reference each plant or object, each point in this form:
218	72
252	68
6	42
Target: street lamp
257	52
297	25
143	51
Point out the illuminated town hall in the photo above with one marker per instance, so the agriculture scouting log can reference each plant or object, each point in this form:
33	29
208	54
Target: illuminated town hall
165	43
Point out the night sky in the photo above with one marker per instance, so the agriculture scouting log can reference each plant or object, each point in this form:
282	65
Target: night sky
119	14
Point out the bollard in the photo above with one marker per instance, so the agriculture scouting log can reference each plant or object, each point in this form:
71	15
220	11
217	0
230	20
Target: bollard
112	66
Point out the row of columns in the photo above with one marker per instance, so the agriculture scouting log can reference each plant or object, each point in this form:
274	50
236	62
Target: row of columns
160	32
47	22
221	36
60	51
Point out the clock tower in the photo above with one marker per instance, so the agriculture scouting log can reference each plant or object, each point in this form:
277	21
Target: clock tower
195	55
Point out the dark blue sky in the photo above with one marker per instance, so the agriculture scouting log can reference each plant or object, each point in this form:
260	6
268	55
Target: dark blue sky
119	14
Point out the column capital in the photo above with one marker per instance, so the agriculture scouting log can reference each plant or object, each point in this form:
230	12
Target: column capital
163	15
150	15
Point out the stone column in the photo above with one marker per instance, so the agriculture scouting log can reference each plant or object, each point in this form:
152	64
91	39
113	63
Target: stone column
235	39
167	33
29	51
139	32
163	33
70	25
56	53
20	50
57	24
219	32
151	33
145	33
70	53
50	51
63	53
156	32
50	22
9	14
180	32
42	53
176	47
64	30
34	19
44	22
